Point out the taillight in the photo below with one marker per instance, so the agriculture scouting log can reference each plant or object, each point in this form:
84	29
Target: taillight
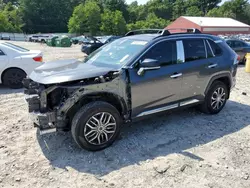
236	59
38	59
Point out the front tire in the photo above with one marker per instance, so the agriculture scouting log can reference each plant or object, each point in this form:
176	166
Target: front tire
215	99
96	126
13	78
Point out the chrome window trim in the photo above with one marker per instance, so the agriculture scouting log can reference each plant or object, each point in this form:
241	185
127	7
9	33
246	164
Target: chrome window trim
210	47
168	39
205	46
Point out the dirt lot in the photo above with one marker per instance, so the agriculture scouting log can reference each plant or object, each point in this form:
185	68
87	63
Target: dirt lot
179	149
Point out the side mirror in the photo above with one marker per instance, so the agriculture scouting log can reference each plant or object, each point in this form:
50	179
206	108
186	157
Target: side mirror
148	64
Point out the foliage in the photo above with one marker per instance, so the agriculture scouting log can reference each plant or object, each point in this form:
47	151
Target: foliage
46	16
152	21
10	19
193	11
109	16
237	9
86	18
113	23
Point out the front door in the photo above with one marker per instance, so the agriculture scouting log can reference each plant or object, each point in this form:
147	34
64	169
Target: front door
156	89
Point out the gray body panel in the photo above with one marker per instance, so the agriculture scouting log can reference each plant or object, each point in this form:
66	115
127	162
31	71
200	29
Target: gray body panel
138	94
65	71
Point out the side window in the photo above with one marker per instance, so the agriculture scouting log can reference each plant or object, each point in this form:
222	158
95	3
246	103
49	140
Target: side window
216	49
238	44
194	49
1	52
165	52
230	43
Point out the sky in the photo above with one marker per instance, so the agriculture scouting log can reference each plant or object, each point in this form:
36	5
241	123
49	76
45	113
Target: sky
144	1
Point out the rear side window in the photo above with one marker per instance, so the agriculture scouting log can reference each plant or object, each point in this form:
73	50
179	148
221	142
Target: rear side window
165	52
216	49
194	49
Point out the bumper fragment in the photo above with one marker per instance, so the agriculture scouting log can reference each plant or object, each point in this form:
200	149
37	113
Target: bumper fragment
44	121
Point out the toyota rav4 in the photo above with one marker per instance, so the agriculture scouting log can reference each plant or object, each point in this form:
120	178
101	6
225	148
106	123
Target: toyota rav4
132	77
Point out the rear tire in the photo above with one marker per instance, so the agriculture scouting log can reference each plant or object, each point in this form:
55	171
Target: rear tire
215	99
13	78
96	126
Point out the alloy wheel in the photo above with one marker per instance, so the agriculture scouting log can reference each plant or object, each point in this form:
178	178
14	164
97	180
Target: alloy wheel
100	128
218	98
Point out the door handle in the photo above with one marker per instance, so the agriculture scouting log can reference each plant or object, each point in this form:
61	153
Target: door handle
176	75
212	66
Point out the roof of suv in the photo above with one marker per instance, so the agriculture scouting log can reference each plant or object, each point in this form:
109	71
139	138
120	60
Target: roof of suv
149	37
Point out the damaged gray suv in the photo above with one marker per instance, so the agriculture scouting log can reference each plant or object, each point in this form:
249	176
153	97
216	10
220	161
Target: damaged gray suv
132	77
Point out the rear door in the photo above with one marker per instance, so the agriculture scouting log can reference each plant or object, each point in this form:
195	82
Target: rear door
200	63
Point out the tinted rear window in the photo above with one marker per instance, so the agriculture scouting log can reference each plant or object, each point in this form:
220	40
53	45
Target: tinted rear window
194	49
15	47
216	49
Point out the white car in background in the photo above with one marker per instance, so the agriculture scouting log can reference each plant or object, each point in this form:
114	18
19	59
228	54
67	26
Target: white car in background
16	63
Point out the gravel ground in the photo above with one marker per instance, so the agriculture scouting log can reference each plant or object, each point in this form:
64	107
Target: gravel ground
177	149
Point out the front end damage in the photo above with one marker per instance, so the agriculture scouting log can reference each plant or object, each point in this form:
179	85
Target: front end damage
53	106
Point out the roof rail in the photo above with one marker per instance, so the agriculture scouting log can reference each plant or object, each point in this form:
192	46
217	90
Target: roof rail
144	31
189	30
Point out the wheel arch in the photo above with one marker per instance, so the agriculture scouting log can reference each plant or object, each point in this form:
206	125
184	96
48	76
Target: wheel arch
225	78
9	68
111	98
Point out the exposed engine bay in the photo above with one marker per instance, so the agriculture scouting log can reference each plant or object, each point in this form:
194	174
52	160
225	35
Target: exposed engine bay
52	105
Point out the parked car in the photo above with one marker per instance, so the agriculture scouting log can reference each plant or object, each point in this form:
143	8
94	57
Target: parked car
16	63
5	36
43	38
33	38
240	47
93	44
130	78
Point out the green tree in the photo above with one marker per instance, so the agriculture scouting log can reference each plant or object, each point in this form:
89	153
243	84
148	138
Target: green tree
193	11
114	5
161	8
203	5
237	9
46	15
179	7
152	21
10	18
86	18
113	23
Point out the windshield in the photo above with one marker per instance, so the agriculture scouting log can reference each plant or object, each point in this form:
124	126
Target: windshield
117	53
15	47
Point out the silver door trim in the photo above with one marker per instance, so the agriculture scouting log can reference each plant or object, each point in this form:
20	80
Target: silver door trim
176	75
210	47
212	66
169	107
192	101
